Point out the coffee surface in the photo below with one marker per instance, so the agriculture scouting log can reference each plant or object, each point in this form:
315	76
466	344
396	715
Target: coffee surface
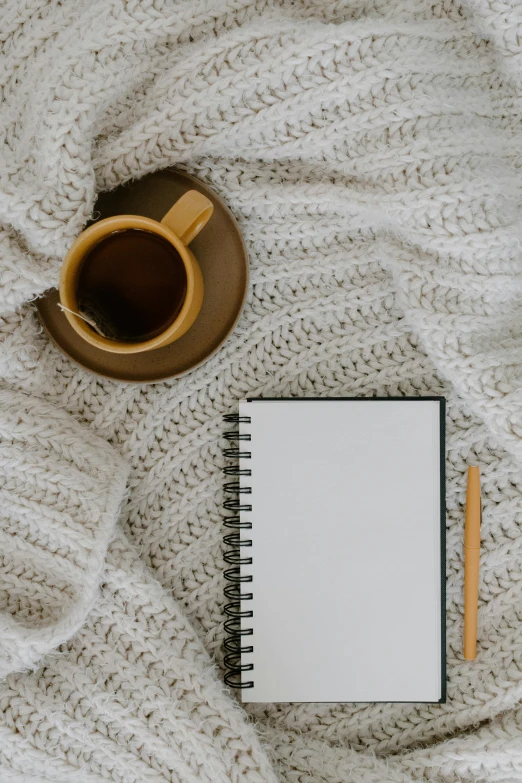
132	285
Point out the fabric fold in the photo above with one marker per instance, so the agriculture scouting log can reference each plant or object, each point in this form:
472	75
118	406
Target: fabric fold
61	488
132	697
371	153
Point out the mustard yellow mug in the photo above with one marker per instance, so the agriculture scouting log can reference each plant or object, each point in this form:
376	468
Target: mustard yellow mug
179	227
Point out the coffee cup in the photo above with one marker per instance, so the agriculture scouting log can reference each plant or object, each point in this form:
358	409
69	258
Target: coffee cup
130	284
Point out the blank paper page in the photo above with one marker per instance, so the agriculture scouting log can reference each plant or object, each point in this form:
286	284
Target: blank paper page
346	550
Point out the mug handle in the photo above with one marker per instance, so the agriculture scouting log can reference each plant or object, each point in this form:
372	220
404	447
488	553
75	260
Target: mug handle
188	215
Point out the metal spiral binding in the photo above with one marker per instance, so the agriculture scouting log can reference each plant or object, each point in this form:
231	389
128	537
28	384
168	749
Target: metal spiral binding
235	634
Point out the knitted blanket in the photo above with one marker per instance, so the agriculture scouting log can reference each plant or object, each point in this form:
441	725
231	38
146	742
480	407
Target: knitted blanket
370	150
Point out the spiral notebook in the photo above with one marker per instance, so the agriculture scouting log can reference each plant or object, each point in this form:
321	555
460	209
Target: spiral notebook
336	560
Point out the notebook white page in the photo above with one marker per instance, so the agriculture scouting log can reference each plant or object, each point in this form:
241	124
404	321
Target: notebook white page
346	550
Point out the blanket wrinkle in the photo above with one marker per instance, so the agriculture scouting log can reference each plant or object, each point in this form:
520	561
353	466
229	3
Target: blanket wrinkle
371	152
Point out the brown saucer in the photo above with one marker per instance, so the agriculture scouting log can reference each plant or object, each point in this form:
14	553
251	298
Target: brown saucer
223	259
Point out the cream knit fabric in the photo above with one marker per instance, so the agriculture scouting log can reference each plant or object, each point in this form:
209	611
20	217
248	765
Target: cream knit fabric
126	691
60	489
371	151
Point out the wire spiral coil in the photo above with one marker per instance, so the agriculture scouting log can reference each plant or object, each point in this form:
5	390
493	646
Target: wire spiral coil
234	557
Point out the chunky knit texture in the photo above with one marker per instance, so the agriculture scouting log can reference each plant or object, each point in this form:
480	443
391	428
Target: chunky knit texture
60	489
370	150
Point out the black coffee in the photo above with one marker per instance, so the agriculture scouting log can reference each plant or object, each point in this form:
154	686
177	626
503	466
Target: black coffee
132	285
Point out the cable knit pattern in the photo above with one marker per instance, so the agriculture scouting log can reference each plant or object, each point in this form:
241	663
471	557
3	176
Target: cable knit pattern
133	697
370	150
60	489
